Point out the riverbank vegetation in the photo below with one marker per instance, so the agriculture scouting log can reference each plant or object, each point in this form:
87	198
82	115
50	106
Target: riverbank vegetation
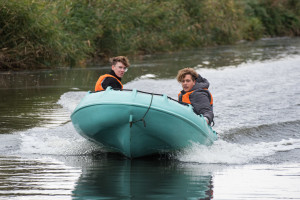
43	34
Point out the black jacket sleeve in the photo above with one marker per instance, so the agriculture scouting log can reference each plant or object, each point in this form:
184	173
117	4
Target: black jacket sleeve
109	81
201	104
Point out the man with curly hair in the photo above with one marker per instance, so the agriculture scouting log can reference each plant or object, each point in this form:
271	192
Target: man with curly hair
195	92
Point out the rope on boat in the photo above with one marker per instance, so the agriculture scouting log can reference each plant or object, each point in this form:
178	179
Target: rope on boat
182	103
143	118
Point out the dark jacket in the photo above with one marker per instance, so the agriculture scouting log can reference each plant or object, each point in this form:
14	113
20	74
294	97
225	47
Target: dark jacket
200	98
109	81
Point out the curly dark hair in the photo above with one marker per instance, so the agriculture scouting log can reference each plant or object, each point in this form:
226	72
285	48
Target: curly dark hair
183	72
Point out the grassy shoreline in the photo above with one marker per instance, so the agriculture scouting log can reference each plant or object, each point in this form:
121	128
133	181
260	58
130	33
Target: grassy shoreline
44	34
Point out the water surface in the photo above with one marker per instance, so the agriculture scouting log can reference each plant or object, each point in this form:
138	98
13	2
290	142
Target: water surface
257	113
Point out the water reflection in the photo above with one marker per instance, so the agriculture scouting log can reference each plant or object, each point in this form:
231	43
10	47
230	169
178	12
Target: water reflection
143	179
22	109
35	178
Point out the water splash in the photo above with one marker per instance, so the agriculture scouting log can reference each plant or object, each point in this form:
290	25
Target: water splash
223	152
70	100
61	140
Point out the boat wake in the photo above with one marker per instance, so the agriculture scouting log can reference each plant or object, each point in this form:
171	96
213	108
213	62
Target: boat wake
266	130
263	133
59	141
222	152
237	146
70	100
64	141
249	145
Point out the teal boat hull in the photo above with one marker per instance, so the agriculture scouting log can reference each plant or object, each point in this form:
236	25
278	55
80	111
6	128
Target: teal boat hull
138	124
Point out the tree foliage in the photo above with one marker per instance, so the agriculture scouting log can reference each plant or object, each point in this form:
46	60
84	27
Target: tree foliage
42	34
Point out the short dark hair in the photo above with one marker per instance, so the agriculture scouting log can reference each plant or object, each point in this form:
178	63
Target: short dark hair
122	59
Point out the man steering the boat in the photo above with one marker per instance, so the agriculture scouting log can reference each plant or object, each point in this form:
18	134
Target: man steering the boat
119	66
195	92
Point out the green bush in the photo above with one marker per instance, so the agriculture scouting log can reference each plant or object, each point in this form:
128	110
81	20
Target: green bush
81	26
145	26
279	18
37	34
223	20
40	33
28	35
254	29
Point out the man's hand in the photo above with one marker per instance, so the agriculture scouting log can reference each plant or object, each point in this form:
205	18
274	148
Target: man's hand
207	120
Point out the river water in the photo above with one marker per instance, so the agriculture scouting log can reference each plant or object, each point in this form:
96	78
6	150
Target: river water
257	113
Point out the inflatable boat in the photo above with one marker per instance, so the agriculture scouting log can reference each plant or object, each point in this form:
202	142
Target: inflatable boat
137	124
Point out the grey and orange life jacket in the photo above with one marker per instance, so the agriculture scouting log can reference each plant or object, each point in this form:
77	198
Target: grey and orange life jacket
186	97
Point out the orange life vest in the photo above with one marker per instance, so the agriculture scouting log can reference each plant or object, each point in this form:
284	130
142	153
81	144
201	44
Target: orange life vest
98	86
186	97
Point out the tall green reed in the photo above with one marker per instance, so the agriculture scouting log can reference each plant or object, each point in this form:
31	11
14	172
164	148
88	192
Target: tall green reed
43	34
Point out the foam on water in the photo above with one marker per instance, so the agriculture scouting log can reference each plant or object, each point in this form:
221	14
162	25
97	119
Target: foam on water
147	76
248	95
245	97
70	100
62	140
223	152
238	104
58	140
